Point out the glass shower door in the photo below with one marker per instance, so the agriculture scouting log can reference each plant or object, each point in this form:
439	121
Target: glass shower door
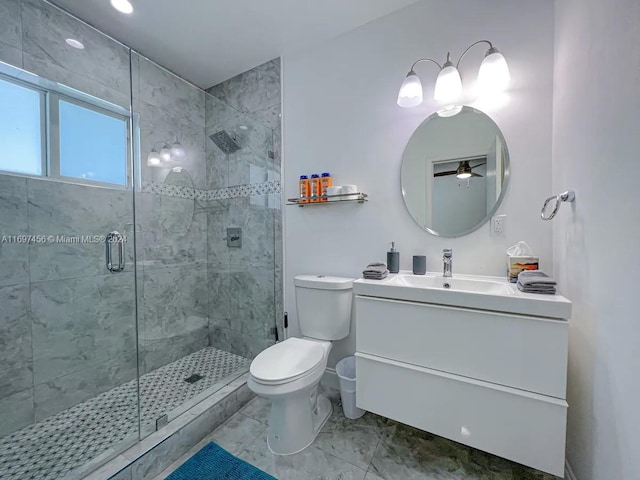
68	358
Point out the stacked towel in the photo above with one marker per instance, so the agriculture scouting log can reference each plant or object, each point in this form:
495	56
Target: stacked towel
536	281
375	271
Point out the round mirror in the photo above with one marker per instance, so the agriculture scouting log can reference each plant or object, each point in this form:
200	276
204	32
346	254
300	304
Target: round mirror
455	171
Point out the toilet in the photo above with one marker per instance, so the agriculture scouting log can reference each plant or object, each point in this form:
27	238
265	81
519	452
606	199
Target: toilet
288	373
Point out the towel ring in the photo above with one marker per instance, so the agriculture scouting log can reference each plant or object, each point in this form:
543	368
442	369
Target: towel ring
568	196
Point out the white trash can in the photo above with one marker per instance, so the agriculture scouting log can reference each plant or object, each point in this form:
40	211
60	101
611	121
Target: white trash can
346	370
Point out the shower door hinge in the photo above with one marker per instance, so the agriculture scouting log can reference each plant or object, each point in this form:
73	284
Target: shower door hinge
162	421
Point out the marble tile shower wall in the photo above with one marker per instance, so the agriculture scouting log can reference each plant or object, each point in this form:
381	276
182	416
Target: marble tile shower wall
172	233
67	326
246	283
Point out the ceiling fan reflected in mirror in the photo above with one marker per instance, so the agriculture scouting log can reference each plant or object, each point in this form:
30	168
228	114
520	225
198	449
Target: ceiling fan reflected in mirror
464	170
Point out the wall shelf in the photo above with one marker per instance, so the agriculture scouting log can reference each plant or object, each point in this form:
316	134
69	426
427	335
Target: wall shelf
358	197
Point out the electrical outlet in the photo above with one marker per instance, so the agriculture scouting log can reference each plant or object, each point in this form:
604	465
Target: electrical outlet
499	222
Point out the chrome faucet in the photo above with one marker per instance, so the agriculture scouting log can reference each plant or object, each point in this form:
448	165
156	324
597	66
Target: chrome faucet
447	255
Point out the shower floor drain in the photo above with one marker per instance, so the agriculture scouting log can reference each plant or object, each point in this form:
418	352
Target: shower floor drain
193	378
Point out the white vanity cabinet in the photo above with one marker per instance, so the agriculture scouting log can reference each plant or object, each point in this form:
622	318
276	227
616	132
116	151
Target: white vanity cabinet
493	380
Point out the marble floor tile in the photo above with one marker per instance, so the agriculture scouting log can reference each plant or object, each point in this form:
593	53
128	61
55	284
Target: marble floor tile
372	476
311	463
258	409
354	441
368	448
233	435
237	433
408	453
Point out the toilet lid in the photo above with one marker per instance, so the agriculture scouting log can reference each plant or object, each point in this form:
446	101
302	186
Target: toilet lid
286	360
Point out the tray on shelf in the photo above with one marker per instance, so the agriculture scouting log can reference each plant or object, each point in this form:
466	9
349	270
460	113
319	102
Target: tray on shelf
331	199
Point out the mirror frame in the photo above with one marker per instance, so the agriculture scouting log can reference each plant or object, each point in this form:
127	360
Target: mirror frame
505	185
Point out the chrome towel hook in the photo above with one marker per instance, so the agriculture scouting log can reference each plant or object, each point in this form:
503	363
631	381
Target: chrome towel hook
568	196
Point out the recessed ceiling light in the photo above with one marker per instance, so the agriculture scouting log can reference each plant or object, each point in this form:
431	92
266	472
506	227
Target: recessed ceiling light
123	6
72	42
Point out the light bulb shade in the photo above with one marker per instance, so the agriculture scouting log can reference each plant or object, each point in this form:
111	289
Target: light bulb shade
494	73
153	159
410	94
165	153
448	85
177	152
123	6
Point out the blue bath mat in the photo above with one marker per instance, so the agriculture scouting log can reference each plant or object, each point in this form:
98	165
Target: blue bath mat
215	463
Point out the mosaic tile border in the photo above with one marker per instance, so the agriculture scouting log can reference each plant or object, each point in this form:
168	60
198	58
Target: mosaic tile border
249	190
236	191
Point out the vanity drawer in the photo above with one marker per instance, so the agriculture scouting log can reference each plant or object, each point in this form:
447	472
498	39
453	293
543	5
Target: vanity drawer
521	426
528	353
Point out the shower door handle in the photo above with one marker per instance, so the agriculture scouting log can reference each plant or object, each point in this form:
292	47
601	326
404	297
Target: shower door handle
117	238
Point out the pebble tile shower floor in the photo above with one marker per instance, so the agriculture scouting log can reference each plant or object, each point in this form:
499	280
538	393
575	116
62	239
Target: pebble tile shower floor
52	448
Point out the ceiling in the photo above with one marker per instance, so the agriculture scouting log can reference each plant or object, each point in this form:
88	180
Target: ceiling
209	41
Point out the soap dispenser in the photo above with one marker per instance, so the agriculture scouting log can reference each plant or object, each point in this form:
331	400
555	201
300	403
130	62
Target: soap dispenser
393	259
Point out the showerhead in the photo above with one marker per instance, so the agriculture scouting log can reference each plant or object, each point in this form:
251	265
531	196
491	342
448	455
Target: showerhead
225	142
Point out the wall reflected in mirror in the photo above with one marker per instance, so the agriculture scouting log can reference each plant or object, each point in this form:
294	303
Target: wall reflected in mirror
455	170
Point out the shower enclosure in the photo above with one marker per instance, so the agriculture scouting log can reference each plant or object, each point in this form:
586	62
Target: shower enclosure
119	300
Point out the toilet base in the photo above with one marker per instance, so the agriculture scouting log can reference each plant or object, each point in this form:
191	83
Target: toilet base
295	421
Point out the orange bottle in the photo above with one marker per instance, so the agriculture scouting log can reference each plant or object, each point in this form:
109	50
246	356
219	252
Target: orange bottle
325	183
304	189
316	188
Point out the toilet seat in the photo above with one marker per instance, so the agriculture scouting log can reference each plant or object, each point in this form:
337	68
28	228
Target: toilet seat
287	361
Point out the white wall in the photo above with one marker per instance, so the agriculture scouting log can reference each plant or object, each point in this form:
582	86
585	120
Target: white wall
596	150
340	115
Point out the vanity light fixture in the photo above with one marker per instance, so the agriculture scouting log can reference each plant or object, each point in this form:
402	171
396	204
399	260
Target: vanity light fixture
493	76
153	159
177	152
123	6
163	154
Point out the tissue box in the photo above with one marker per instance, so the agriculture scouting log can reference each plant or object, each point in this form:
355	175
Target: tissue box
515	265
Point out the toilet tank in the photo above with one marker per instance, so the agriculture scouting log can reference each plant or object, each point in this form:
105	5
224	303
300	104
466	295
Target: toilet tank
323	304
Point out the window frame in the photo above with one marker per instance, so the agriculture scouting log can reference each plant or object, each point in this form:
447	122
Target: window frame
51	93
42	94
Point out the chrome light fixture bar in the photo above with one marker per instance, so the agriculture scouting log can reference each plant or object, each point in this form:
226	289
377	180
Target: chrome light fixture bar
163	153
493	76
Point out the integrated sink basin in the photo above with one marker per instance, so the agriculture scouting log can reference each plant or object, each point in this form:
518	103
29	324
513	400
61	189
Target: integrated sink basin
468	291
462	284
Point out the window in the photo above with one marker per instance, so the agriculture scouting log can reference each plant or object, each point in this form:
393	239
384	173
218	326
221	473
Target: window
21	133
93	145
51	134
